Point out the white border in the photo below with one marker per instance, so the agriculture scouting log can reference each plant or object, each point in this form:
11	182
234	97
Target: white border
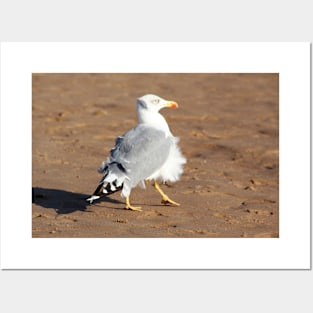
290	251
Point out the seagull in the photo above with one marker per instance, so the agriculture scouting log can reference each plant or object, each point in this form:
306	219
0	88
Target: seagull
148	152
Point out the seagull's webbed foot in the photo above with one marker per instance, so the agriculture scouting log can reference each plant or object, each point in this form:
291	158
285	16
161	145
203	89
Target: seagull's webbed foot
128	206
165	198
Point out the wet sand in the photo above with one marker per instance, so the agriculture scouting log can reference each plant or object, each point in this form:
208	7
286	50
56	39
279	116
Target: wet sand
228	126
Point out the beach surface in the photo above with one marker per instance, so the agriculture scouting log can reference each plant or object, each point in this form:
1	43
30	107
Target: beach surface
229	132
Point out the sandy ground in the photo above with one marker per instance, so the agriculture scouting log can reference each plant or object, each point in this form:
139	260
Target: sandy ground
228	125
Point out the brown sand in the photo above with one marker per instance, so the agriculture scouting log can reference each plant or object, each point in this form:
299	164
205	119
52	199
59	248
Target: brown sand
228	125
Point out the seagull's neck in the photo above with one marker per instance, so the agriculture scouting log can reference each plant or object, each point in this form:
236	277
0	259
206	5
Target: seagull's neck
154	119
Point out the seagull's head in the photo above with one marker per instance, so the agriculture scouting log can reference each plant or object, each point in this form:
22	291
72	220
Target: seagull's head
154	103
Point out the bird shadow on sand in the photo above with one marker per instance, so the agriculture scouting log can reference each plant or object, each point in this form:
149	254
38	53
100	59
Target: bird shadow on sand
64	202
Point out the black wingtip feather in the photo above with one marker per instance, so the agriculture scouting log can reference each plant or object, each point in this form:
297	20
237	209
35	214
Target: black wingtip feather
106	190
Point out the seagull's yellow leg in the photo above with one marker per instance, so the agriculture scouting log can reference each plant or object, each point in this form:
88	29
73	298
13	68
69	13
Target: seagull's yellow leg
165	198
130	207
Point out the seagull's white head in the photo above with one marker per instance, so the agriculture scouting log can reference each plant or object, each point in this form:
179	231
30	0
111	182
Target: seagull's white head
148	107
154	103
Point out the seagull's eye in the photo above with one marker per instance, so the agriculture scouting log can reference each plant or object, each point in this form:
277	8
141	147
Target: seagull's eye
156	101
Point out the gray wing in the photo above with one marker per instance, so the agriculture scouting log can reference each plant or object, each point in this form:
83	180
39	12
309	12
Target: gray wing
141	152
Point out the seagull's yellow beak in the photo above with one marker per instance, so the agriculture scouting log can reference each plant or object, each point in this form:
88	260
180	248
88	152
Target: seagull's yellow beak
171	104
